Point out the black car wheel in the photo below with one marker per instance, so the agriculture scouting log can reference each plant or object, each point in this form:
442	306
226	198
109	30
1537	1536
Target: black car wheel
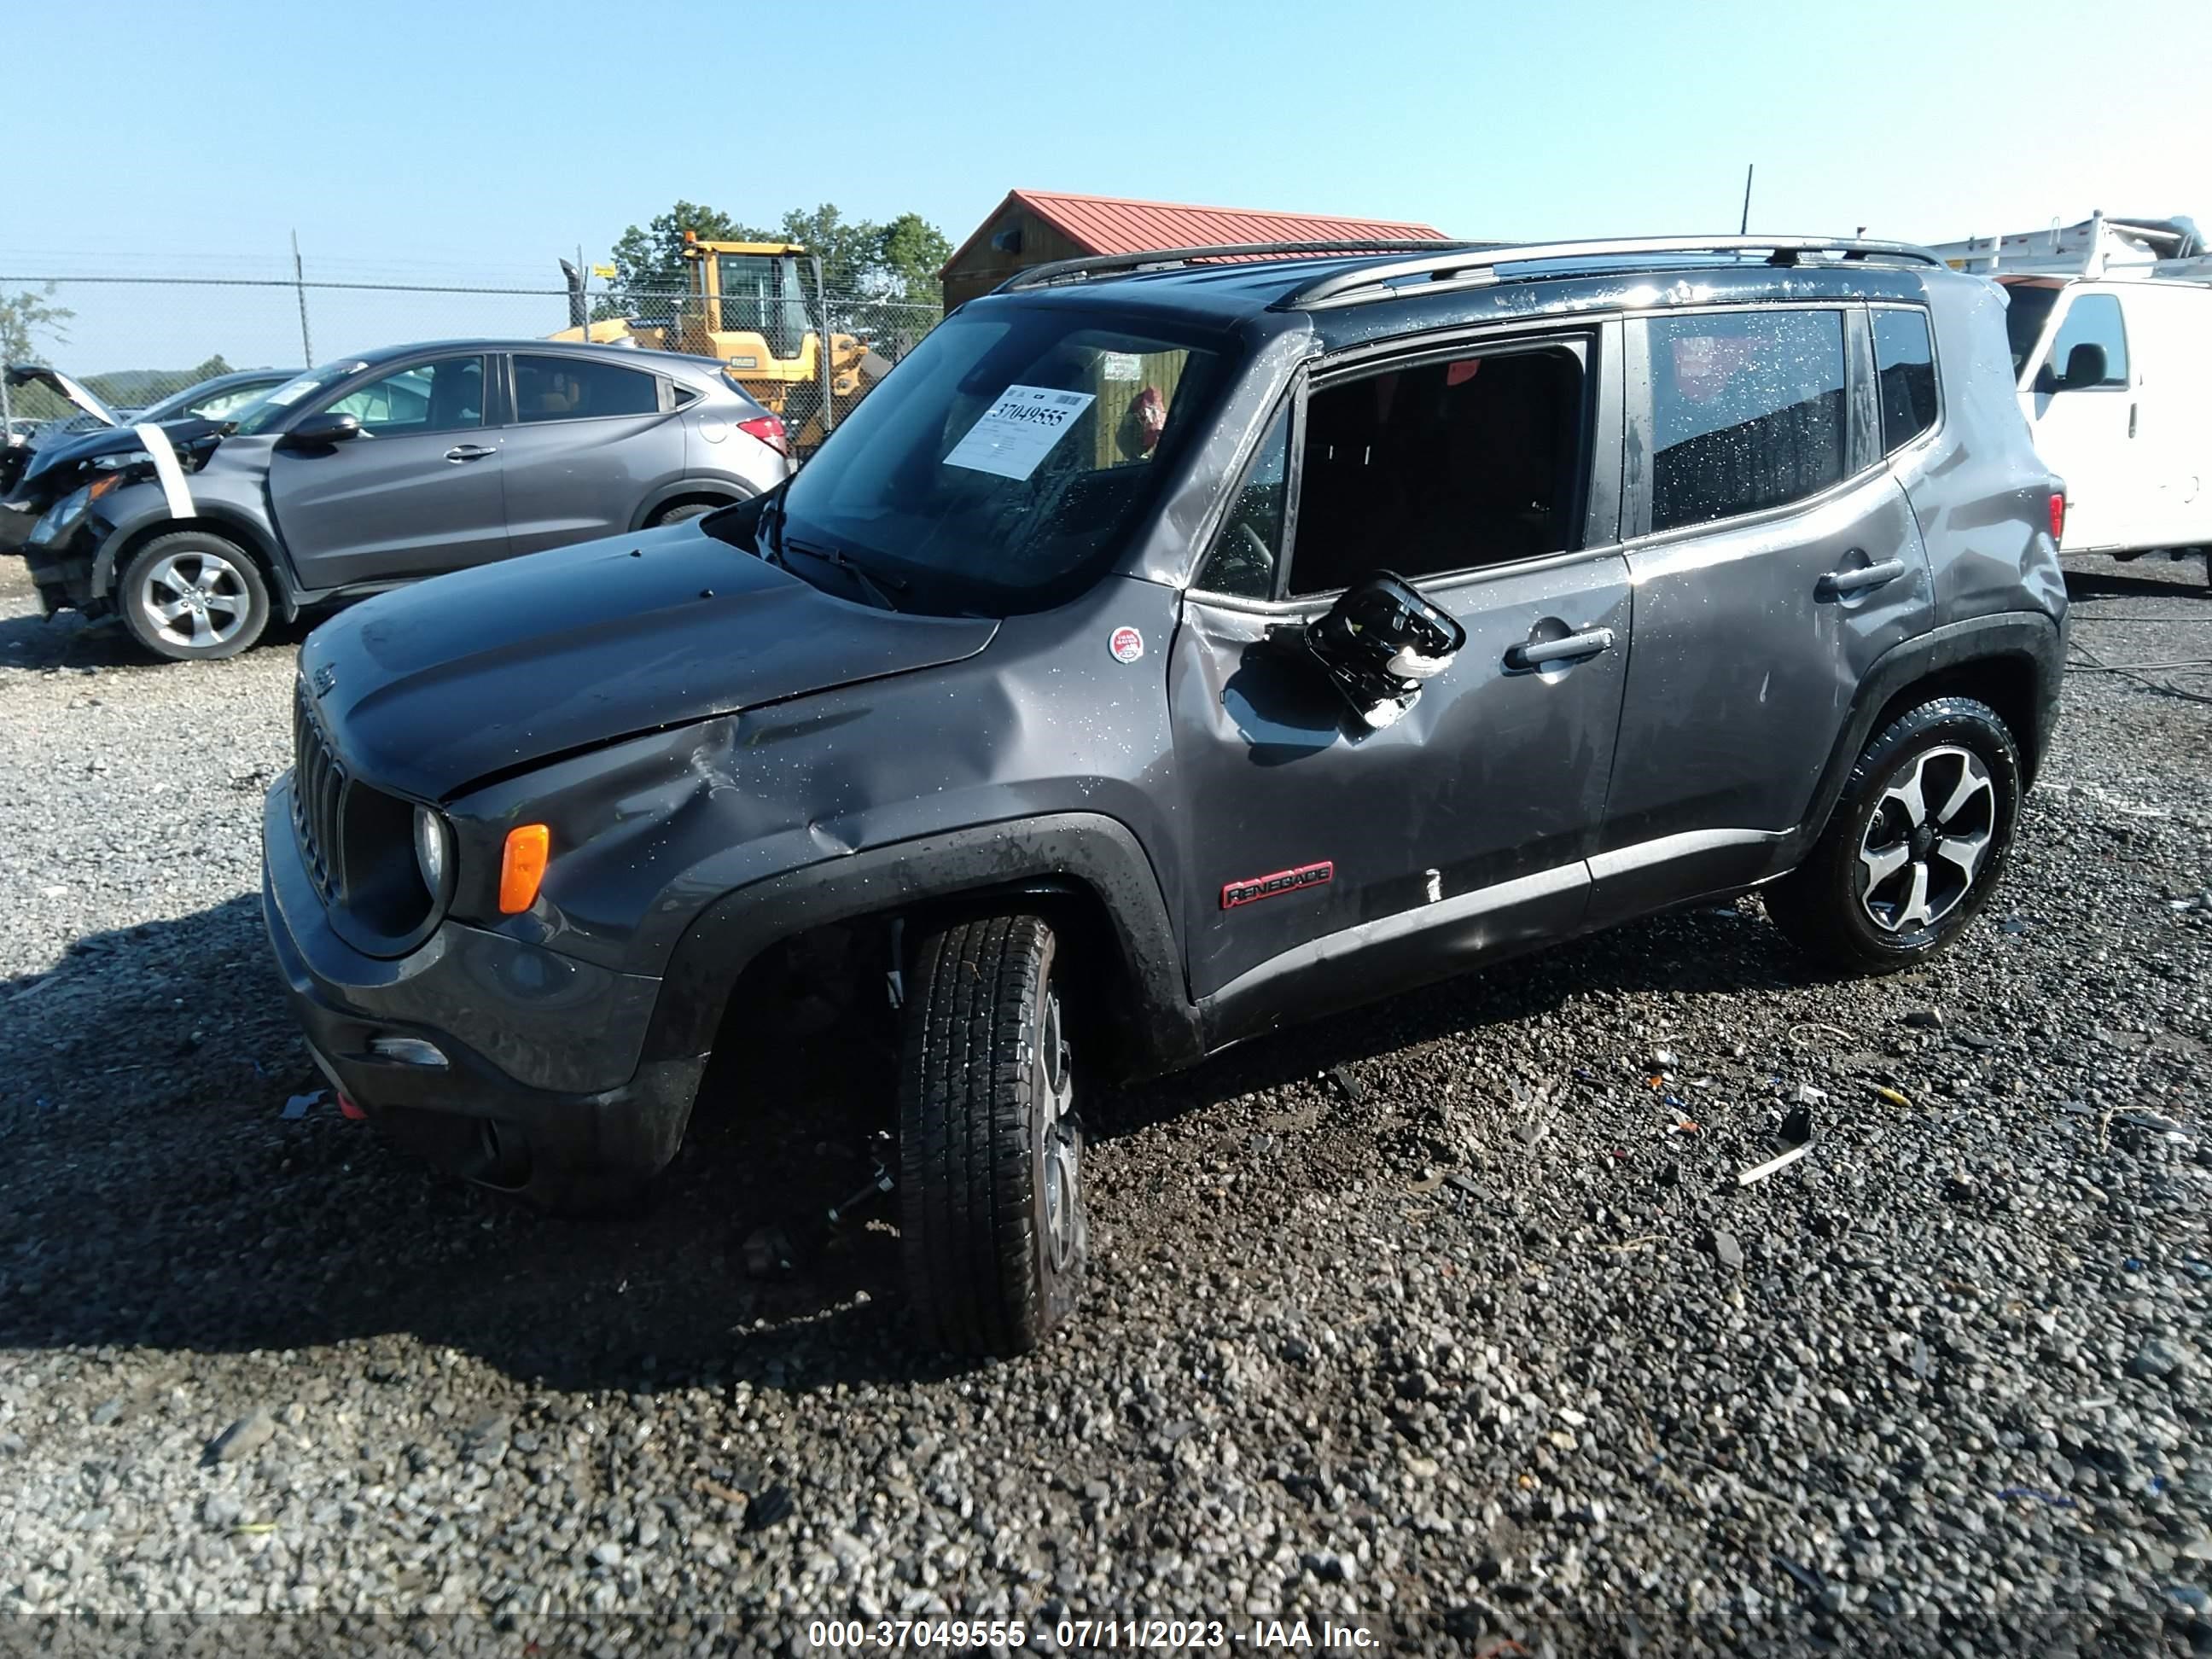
1915	844
682	512
990	1148
189	595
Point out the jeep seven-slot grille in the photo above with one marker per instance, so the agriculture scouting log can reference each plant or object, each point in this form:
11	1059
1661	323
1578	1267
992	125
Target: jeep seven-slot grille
317	797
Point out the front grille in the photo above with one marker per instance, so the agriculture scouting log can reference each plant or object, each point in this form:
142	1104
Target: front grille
318	785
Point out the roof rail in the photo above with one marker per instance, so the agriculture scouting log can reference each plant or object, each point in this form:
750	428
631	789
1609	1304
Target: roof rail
1126	264
1480	265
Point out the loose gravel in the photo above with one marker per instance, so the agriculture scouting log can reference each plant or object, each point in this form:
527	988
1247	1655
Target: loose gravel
1446	1320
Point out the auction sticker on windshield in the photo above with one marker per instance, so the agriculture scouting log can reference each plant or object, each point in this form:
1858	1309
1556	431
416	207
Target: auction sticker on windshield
1018	431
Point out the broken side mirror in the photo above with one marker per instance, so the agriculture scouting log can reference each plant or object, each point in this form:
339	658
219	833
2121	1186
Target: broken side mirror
1380	643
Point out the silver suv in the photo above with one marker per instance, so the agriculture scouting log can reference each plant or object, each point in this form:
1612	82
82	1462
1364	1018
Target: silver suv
395	465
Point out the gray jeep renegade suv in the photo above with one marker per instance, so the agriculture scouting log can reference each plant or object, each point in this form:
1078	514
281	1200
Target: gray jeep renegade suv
1172	647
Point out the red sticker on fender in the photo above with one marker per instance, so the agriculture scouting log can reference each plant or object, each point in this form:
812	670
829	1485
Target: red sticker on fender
1127	644
1283	881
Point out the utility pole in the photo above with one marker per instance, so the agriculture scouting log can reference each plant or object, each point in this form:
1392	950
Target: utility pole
299	286
1743	228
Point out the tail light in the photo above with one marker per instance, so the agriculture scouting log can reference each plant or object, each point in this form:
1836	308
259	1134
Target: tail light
2057	513
768	428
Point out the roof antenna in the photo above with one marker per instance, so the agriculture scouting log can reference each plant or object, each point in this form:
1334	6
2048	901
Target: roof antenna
1743	228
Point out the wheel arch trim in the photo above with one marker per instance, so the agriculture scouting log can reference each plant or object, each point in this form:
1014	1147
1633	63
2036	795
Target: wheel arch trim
1064	854
2012	638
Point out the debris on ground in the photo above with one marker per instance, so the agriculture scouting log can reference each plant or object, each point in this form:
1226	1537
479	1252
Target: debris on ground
300	1105
246	1435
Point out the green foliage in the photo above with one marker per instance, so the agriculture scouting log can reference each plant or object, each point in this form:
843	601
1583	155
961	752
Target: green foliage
23	317
896	261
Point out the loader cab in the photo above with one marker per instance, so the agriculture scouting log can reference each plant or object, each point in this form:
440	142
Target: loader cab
754	288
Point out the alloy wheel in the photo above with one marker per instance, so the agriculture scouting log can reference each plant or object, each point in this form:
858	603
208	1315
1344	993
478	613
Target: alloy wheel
1063	1138
195	600
1927	839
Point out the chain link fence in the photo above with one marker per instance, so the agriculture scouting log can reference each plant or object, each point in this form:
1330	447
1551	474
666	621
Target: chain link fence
134	340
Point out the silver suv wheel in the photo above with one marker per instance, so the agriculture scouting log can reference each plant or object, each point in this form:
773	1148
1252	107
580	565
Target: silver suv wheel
1063	1140
1927	839
195	599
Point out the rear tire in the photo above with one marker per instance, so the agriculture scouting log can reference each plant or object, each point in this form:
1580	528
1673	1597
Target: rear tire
990	1150
1914	846
190	597
683	513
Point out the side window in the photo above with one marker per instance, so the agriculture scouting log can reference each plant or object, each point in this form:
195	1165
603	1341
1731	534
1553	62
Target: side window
1748	411
446	395
224	404
574	389
2090	349
1244	561
1905	371
1441	466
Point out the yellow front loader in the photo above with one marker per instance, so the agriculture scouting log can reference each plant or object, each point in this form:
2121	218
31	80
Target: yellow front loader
746	306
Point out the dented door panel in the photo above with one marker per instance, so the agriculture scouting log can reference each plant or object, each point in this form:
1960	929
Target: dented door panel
1498	773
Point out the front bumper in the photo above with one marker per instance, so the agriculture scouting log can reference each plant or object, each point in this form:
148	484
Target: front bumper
62	549
551	1077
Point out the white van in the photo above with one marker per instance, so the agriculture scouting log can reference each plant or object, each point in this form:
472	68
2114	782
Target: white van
2111	323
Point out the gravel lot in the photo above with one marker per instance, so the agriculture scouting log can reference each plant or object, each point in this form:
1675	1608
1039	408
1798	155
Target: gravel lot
1427	1319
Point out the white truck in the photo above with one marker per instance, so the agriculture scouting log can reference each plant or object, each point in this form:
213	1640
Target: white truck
2111	322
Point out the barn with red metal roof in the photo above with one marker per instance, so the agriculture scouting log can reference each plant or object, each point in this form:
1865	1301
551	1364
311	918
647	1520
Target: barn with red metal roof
1031	226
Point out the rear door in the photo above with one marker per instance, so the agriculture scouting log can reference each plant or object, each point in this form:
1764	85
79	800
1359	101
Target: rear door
1774	557
1479	473
2080	396
592	439
417	493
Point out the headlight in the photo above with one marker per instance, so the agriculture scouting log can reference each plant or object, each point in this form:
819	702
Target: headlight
431	840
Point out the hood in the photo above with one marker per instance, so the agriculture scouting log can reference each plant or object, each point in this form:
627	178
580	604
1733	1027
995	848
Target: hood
433	687
54	381
66	452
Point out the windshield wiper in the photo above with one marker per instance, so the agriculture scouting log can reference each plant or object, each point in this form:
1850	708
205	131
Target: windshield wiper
878	588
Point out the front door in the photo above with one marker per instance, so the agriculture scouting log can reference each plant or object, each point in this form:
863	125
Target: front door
589	445
417	492
1376	857
1775	558
2080	401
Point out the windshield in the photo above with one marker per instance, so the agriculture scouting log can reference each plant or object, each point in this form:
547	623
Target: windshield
273	406
1009	455
2028	311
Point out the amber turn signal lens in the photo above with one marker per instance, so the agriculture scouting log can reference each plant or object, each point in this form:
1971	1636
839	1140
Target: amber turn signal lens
522	867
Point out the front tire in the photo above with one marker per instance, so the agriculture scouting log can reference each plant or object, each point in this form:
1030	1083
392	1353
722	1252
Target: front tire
189	597
991	1221
683	513
1915	844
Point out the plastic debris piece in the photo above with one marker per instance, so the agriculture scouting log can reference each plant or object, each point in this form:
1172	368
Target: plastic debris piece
1883	1092
347	1109
1761	1171
300	1105
1342	1076
2056	1502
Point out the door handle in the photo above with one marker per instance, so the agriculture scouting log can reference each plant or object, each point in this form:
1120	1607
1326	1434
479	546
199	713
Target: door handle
1568	647
2131	420
1857	581
469	452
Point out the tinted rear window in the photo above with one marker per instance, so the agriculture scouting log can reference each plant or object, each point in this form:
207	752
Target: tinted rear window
1905	370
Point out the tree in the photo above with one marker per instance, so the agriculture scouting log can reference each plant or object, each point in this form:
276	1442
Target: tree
861	259
23	317
649	262
910	252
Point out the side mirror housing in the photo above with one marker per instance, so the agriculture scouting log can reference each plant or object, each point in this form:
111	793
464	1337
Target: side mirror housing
320	431
1380	643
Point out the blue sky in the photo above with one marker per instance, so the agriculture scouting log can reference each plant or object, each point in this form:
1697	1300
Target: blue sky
457	142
